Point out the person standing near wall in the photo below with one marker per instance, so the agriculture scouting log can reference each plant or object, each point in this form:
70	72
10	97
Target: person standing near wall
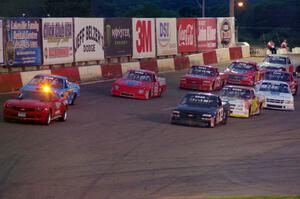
271	47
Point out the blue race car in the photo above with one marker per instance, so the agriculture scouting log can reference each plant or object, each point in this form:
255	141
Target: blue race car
59	84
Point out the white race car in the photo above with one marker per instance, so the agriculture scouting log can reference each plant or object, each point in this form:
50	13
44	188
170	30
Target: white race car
276	94
243	101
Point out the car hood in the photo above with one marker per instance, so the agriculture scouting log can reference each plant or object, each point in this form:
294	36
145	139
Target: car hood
195	109
30	87
275	95
268	64
240	72
131	83
198	77
233	100
26	103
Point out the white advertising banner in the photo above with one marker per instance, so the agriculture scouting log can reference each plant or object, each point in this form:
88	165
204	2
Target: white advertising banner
89	39
1	42
57	40
143	30
226	32
166	36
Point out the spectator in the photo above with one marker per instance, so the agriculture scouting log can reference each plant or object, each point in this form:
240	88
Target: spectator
284	44
271	47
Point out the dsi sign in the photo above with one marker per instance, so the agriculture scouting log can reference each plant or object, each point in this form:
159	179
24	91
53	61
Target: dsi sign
143	38
166	37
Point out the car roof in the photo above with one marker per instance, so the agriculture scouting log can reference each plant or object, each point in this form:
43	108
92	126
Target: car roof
51	76
245	62
202	93
143	70
205	66
241	87
274	82
275	55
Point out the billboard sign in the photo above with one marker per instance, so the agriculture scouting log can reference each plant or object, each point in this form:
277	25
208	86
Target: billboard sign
57	40
23	42
88	39
118	37
186	34
166	36
1	42
143	38
226	32
206	33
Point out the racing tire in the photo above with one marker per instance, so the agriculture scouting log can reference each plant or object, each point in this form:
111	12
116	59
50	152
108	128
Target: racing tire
212	123
249	112
64	116
148	95
48	119
73	99
225	119
259	109
6	119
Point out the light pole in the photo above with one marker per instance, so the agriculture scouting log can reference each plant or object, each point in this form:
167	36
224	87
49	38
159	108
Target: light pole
240	4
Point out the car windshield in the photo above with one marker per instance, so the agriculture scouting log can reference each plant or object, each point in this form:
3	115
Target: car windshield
241	93
51	81
277	76
202	71
275	60
140	76
242	66
272	87
200	100
46	97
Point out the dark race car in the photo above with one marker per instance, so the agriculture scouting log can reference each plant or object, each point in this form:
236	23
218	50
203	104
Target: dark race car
283	76
139	84
202	78
36	106
243	73
196	109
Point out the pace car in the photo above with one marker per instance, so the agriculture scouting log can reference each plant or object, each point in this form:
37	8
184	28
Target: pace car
59	85
277	61
139	84
202	78
276	94
243	73
284	77
243	101
196	109
36	106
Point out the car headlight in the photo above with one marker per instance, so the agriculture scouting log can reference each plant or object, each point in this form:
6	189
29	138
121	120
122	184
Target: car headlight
116	87
141	91
206	115
7	105
288	101
176	113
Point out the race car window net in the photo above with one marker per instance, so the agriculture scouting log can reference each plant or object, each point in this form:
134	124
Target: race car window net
275	60
53	82
140	76
202	71
284	77
236	93
242	66
200	100
35	96
281	88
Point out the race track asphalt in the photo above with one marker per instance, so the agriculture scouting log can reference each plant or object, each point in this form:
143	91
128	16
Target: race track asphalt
113	148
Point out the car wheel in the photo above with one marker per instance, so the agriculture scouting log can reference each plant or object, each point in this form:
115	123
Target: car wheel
212	123
249	112
73	99
49	118
148	95
64	116
6	119
259	109
225	118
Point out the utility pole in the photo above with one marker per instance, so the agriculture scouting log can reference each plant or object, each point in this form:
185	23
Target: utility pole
231	8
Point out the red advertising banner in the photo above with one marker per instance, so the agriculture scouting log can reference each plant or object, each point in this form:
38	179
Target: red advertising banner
186	34
206	33
143	38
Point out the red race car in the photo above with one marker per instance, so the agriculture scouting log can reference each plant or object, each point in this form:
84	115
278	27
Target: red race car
203	78
36	106
283	76
139	84
243	73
